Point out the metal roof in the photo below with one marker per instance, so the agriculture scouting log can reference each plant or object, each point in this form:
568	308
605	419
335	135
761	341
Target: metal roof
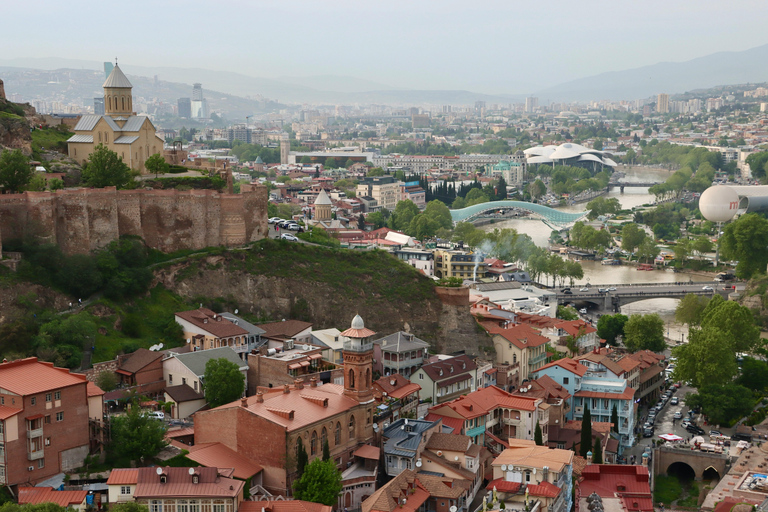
196	361
126	139
117	79
81	138
87	122
134	123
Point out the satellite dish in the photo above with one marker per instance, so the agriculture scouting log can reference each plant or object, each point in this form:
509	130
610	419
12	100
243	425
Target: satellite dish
189	340
159	470
160	346
534	471
456	457
503	467
191	471
406	421
236	311
375	427
418	463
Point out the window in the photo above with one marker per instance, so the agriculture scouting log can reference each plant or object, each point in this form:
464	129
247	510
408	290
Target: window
183	380
47	419
182	506
194	505
33	401
195	384
156	506
351	424
47	397
59	416
337	434
527	476
170	379
40	463
313	444
125	489
218	505
565	380
323	437
57	395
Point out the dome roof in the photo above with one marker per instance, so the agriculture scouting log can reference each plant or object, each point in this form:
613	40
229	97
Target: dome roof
357	323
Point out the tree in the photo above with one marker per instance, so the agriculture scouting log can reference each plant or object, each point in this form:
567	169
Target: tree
707	358
305	160
609	327
647	250
602	206
632	236
128	506
136	436
754	375
597	451
105	169
758	164
157	164
107	381
224	382
349	163
735	320
537	436
745	240
723	403
537	189
361	222
404	213
644	332
15	171
326	450
320	483
439	213
586	432
615	419
567	313
691	309
377	219
302	458
330	163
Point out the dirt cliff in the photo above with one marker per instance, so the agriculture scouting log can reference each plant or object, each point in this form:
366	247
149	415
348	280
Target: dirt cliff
392	299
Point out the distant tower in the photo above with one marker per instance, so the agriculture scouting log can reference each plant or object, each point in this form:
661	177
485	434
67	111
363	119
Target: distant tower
197	92
185	108
662	103
118	99
323	206
108	66
285	148
2	90
358	361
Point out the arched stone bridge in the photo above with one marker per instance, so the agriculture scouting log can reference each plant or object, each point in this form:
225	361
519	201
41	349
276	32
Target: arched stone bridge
664	457
626	294
551	217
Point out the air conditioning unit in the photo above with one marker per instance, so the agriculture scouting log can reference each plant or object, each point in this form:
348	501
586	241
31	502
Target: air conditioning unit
30	468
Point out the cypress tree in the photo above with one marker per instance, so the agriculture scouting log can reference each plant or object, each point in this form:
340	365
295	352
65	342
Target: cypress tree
597	451
537	437
301	457
326	451
586	432
615	419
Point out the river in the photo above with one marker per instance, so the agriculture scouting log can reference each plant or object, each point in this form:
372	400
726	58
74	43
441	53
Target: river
596	274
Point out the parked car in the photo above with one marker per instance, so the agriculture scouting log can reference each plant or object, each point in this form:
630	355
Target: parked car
678	415
674	400
292	227
648	432
274	220
289	237
715	433
156	415
685	423
583	311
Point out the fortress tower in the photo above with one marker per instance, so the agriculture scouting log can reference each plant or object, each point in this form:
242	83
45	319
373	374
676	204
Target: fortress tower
358	361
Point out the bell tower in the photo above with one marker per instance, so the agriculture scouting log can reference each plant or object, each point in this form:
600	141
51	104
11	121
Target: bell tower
358	361
118	98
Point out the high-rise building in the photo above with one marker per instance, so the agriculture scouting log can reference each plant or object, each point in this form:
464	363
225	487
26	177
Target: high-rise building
185	107
662	103
98	106
108	67
197	92
285	148
531	104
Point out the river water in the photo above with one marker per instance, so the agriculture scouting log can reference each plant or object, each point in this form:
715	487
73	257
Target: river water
597	274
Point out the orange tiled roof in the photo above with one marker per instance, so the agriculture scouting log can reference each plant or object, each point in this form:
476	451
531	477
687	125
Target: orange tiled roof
287	505
627	394
93	390
30	376
216	455
123	476
368	452
522	336
207	320
179	483
37	495
567	364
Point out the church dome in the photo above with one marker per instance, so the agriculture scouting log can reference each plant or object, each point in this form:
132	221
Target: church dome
357	323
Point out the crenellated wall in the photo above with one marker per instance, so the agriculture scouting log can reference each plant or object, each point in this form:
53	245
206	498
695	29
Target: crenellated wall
81	220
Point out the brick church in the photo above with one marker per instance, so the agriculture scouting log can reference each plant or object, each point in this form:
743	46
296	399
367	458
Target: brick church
132	137
266	427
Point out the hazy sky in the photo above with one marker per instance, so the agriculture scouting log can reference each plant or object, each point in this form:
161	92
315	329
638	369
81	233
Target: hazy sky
485	46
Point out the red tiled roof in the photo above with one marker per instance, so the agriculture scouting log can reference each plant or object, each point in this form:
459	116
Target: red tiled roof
567	364
287	329
93	390
522	336
37	495
358	333
216	455
179	483
138	360
449	367
6	412
287	505
123	476
502	485
207	320
629	483
627	394
544	489
30	376
455	423
368	452
573	327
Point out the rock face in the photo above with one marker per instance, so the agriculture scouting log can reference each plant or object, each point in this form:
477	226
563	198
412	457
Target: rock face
14	133
447	327
17	299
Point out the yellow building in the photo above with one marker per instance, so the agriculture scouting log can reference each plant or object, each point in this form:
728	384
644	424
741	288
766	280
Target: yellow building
459	264
132	137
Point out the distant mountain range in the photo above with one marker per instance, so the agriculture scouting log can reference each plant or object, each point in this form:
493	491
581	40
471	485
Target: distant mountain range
721	68
671	77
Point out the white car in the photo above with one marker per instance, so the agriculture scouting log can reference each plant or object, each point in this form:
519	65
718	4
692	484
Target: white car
274	220
708	289
583	289
289	237
678	415
583	311
611	289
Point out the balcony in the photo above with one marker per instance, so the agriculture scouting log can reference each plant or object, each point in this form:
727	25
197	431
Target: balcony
537	359
35	455
35	432
357	346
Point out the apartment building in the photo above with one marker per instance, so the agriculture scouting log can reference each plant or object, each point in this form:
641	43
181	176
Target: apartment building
400	352
442	381
386	190
459	264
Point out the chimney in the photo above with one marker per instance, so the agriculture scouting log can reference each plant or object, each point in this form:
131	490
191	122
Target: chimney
243	402
298	383
259	397
313	382
286	389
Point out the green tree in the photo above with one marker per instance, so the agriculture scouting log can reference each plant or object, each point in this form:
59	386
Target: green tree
326	450
476	196
128	506
404	213
156	164
537	189
377	219
754	375
586	432
349	163
439	213
136	437
758	164
644	332
632	236
37	183
567	313
735	320
537	435
602	206
107	381
745	240
647	250
615	419
707	358
723	403
611	326
330	163
302	458
306	160
597	451
320	483
15	171
105	169
224	382
691	309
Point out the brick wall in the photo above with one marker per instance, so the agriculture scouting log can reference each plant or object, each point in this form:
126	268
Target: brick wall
82	220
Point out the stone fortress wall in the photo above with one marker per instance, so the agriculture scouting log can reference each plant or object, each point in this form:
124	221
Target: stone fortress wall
82	220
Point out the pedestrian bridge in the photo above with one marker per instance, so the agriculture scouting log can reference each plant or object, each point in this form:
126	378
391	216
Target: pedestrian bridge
702	463
621	294
550	216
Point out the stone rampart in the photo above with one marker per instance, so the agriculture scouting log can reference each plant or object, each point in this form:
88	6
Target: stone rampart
82	220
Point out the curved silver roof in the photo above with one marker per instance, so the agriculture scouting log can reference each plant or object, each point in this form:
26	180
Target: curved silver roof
117	79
